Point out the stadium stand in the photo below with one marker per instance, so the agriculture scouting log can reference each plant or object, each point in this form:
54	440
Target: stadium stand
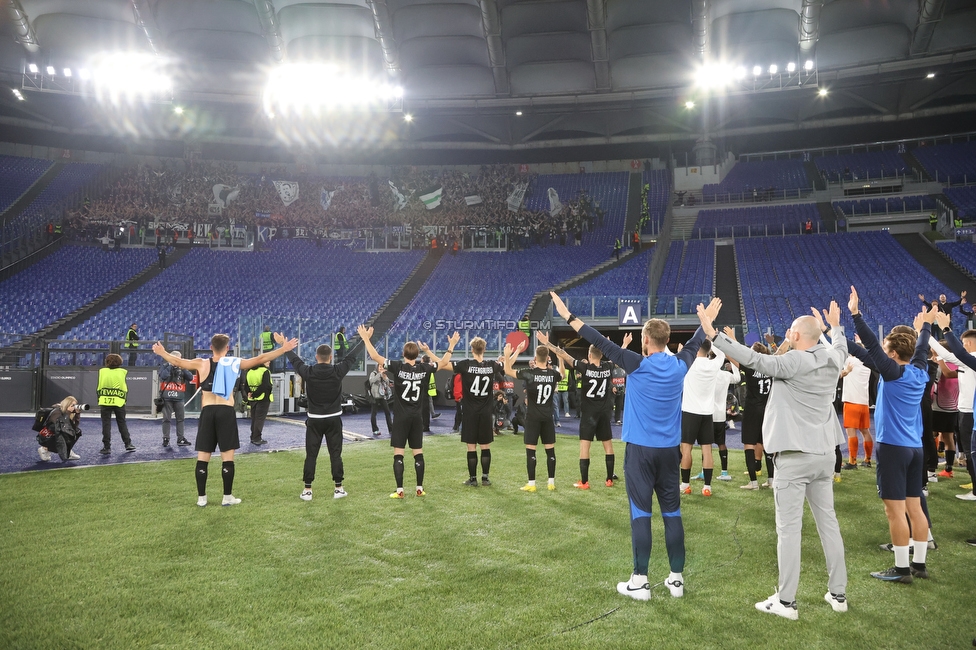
70	179
782	277
962	253
599	295
886	205
949	163
749	177
17	175
608	190
861	166
965	200
63	282
208	291
743	222
689	274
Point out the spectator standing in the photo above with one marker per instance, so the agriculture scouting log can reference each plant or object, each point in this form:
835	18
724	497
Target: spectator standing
259	396
380	393
172	390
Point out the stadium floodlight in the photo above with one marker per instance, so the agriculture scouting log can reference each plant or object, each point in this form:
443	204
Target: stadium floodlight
18	94
518	113
773	69
808	65
67	72
407	117
791	67
714	76
127	76
689	104
50	70
740	72
930	75
300	87
756	71
33	68
822	92
85	74
178	110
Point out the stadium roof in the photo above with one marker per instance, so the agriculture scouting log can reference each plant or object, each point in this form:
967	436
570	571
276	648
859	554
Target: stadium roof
578	72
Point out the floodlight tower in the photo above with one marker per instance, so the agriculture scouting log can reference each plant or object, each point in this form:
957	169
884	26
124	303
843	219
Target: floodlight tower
704	147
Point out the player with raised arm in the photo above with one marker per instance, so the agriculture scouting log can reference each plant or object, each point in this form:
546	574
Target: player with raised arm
410	380
596	407
901	362
218	421
757	392
477	427
652	432
540	389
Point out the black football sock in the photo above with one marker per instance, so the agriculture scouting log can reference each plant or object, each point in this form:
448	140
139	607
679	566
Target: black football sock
723	457
838	459
201	473
708	475
769	467
398	470
227	471
750	464
585	470
530	463
610	462
473	464
950	455
420	466
685	475
551	462
485	461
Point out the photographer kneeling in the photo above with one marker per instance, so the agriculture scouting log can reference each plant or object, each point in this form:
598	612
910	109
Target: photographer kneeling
61	430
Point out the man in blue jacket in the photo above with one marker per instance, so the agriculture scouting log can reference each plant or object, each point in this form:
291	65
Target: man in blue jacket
652	433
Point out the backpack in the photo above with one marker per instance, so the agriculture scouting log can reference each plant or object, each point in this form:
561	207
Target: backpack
40	418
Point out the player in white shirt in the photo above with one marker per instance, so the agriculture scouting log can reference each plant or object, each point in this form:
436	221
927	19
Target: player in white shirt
697	405
723	380
857	415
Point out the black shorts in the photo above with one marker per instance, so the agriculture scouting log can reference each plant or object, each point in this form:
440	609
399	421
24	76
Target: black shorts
718	432
217	428
965	431
945	421
536	428
595	424
752	421
697	429
477	427
901	472
649	471
407	430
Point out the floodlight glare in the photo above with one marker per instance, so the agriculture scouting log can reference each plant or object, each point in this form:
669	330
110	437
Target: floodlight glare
85	74
808	66
930	75
740	72
33	68
756	71
18	95
317	86
178	110
67	72
50	70
398	91
773	69
823	92
689	104
407	117
129	75
713	75
790	67
518	112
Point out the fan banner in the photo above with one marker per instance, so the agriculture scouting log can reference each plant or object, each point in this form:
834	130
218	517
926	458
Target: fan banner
287	190
555	205
432	197
473	200
224	194
517	196
401	200
325	198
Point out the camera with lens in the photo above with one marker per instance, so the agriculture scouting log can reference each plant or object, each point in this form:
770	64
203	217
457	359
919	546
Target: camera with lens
81	407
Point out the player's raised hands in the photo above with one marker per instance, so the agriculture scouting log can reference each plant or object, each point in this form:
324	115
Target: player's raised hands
832	315
542	338
423	347
943	320
714	306
289	344
365	333
453	339
279	338
158	348
919	320
852	302
729	332
628	337
706	318
560	306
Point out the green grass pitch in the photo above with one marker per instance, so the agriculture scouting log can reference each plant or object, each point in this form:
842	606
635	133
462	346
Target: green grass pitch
121	557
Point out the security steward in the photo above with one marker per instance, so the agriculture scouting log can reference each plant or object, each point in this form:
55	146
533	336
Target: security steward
259	396
131	342
112	391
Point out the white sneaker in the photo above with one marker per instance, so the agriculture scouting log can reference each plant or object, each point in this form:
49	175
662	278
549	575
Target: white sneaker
230	500
637	588
968	496
724	476
772	605
339	493
44	453
925	492
933	478
306	494
73	456
676	586
202	501
751	485
839	603
766	484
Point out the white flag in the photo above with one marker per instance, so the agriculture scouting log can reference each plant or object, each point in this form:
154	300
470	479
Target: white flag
555	206
516	197
326	198
401	200
288	191
224	194
473	200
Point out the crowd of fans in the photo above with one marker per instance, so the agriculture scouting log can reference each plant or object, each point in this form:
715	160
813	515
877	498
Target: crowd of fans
182	193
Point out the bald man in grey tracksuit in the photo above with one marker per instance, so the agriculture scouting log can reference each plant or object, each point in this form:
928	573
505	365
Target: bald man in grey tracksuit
801	430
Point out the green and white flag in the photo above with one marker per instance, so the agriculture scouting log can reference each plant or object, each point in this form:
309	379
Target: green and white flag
432	197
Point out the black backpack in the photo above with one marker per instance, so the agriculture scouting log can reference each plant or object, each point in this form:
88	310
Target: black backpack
40	418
